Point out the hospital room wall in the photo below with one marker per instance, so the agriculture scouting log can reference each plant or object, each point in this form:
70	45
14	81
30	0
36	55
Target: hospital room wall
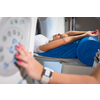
87	24
52	25
49	27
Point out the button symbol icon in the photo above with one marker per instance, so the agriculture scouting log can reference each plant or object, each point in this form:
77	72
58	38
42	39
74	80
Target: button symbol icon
5	65
14	60
14	32
18	33
15	21
1	58
11	22
11	50
9	33
14	41
4	38
21	22
1	49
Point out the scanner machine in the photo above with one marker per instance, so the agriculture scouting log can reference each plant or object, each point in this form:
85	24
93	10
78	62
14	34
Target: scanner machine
13	31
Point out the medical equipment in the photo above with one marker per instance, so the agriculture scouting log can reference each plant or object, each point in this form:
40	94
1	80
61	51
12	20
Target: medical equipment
96	59
14	31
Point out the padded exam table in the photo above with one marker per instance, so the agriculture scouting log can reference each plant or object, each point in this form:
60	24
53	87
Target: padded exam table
69	66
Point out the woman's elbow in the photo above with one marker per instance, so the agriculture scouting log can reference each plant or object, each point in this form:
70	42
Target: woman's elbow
67	40
43	48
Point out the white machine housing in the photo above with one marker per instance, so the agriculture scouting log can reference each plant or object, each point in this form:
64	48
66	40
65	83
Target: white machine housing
14	31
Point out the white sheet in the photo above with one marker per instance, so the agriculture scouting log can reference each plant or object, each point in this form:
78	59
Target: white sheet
39	40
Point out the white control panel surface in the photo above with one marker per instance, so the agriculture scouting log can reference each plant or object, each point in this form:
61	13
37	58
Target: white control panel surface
14	31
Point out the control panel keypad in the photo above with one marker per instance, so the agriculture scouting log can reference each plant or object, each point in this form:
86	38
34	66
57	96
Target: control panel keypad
12	37
9	33
1	58
4	38
13	32
1	49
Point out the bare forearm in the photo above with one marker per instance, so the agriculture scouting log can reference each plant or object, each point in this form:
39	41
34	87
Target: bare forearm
94	78
52	45
72	39
60	78
73	33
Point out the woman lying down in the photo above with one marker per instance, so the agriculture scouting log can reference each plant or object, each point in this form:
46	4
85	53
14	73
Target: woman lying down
43	44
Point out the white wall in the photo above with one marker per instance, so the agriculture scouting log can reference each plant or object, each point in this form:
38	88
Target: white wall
51	26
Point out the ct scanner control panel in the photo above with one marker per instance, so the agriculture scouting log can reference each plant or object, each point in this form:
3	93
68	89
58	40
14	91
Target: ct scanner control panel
13	31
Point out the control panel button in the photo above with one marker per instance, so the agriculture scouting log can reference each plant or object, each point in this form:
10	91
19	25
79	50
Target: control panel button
14	60
11	22
21	21
22	37
1	58
16	21
18	33
14	32
15	47
1	49
14	41
9	33
11	50
4	38
5	65
18	43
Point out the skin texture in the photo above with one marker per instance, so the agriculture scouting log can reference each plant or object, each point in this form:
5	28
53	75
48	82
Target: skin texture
35	69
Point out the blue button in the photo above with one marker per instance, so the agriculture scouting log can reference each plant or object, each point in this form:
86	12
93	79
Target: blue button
14	60
14	41
11	22
15	47
21	21
16	53
11	50
16	21
5	65
18	43
1	49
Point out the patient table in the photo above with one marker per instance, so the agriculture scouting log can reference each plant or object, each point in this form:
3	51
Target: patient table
69	66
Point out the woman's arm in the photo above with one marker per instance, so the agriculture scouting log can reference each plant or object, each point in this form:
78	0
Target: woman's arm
73	79
73	33
94	78
59	42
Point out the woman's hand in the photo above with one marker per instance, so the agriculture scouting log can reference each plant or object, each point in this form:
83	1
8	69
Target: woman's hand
27	61
92	33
